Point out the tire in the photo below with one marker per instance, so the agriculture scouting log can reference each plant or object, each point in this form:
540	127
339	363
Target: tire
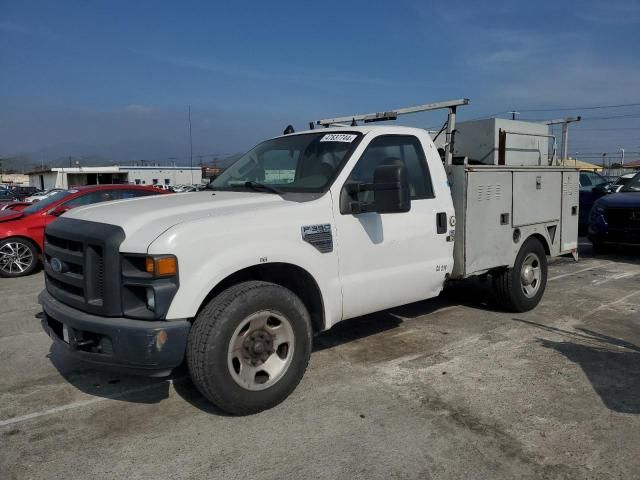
248	326
519	289
18	257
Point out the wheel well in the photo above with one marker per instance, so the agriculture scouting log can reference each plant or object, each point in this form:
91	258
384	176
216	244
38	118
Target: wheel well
295	278
543	241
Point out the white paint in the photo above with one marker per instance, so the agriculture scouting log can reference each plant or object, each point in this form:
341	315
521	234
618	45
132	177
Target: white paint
617	276
83	403
394	259
578	271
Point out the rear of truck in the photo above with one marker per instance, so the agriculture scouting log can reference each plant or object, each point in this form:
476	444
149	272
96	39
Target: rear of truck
502	213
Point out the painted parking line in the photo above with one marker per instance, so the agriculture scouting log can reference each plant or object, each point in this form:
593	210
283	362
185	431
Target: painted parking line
84	403
564	275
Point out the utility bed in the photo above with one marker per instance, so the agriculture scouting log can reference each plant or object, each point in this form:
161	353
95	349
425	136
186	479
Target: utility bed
496	206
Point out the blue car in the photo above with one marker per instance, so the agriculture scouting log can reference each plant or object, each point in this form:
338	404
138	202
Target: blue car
615	219
592	187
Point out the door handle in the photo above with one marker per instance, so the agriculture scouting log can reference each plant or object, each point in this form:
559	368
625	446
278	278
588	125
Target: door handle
441	222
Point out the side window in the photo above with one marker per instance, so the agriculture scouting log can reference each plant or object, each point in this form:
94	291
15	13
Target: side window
585	181
597	179
395	150
93	197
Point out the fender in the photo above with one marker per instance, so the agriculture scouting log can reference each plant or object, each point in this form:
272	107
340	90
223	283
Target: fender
212	249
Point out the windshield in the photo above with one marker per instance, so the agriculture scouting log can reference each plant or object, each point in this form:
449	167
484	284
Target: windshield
632	185
44	203
295	163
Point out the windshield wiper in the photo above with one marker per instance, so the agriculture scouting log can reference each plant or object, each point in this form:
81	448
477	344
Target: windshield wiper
262	186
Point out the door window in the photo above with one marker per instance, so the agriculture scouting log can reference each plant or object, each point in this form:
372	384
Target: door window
395	150
591	179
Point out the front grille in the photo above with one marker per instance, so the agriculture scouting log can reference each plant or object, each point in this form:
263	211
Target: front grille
624	217
82	265
64	244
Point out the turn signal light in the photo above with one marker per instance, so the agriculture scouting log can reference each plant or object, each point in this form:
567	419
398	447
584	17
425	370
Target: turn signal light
164	266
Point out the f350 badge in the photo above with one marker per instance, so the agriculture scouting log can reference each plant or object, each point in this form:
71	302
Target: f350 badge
319	235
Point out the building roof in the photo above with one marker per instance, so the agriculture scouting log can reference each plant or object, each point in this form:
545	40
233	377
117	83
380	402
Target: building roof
582	165
632	164
112	169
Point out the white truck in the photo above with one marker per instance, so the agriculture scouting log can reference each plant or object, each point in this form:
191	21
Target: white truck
302	232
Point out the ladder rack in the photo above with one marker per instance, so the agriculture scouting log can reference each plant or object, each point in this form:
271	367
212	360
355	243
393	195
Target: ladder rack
394	114
391	114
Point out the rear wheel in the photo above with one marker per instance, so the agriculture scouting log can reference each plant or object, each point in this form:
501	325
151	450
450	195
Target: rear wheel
249	347
18	257
520	288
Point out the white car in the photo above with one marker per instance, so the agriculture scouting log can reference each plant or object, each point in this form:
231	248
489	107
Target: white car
621	182
36	197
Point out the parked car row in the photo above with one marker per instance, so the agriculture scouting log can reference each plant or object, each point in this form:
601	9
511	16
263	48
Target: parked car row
614	218
22	224
10	194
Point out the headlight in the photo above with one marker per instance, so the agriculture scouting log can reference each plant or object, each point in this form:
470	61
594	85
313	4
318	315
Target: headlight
149	283
599	210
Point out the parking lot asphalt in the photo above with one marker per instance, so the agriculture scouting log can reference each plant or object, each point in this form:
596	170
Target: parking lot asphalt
446	388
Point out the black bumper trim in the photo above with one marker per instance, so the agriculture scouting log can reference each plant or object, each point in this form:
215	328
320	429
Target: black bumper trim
134	346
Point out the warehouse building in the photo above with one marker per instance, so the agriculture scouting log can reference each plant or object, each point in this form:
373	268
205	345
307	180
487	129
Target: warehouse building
139	175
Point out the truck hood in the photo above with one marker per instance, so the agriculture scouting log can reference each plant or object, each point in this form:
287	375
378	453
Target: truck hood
144	219
620	200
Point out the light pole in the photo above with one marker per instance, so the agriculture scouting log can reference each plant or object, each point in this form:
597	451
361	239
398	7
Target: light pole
622	159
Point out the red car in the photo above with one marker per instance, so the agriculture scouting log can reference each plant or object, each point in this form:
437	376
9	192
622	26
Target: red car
22	231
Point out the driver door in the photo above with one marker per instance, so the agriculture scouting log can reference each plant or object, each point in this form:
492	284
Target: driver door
395	258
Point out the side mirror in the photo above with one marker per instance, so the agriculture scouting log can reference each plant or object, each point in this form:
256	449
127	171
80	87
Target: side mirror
601	189
59	210
391	191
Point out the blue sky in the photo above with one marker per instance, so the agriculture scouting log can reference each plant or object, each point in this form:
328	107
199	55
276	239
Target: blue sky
116	77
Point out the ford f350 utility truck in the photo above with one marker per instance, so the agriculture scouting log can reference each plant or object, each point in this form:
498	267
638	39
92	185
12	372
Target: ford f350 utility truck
302	232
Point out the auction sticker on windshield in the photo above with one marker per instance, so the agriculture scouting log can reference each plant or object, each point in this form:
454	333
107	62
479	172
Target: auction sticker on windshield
338	137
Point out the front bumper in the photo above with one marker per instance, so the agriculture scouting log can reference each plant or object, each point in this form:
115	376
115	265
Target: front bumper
143	347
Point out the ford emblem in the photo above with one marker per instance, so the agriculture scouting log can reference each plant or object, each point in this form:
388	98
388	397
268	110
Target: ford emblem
56	265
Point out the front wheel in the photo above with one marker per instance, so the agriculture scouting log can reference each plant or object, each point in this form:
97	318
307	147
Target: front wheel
18	257
249	347
520	288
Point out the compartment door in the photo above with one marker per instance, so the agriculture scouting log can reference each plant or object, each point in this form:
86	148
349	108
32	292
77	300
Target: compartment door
570	201
536	197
